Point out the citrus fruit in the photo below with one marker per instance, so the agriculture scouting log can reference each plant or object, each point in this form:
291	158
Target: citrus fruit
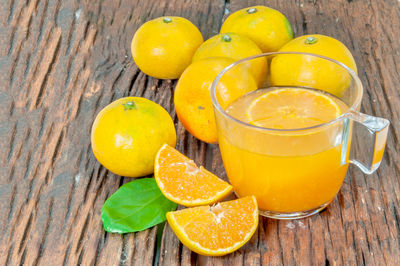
216	230
267	27
237	47
183	182
291	108
163	47
192	94
311	71
127	134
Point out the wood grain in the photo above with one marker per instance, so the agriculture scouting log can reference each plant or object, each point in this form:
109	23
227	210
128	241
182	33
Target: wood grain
61	62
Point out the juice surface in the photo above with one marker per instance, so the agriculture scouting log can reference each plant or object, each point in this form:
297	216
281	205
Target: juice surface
288	171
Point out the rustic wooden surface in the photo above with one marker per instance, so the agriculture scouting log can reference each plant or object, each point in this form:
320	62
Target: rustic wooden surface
62	61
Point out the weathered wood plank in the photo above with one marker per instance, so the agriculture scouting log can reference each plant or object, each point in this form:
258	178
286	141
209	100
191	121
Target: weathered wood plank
63	61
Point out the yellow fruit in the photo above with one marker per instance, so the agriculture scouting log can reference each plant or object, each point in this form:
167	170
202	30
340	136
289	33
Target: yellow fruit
181	181
267	27
237	47
291	108
163	47
192	94
127	134
216	230
309	71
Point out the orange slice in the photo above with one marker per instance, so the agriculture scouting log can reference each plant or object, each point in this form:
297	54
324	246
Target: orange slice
181	181
290	108
216	230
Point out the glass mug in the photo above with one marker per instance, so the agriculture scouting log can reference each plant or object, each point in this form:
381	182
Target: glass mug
295	173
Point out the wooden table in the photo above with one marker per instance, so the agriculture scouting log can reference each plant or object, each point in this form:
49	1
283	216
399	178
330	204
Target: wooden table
62	61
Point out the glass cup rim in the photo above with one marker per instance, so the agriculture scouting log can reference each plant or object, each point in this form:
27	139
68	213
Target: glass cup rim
353	108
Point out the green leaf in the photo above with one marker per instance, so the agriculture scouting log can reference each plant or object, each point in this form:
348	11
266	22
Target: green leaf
135	206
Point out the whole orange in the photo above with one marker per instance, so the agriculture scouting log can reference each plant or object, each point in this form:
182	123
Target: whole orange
163	47
127	134
237	47
311	71
267	27
192	97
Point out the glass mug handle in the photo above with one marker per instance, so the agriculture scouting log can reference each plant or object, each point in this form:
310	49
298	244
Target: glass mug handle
371	129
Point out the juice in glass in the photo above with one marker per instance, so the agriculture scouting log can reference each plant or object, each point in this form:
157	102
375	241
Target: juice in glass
289	144
286	172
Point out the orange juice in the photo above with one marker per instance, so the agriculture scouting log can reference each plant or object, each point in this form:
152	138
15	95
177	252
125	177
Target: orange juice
287	170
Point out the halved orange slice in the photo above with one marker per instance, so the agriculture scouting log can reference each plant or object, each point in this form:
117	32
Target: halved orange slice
216	230
181	181
290	108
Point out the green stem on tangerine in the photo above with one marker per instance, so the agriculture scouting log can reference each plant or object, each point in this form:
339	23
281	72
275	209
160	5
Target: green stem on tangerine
226	38
130	105
251	10
311	40
167	20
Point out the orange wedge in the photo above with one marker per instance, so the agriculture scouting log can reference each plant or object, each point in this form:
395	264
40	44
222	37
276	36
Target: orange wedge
290	108
181	181
216	230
